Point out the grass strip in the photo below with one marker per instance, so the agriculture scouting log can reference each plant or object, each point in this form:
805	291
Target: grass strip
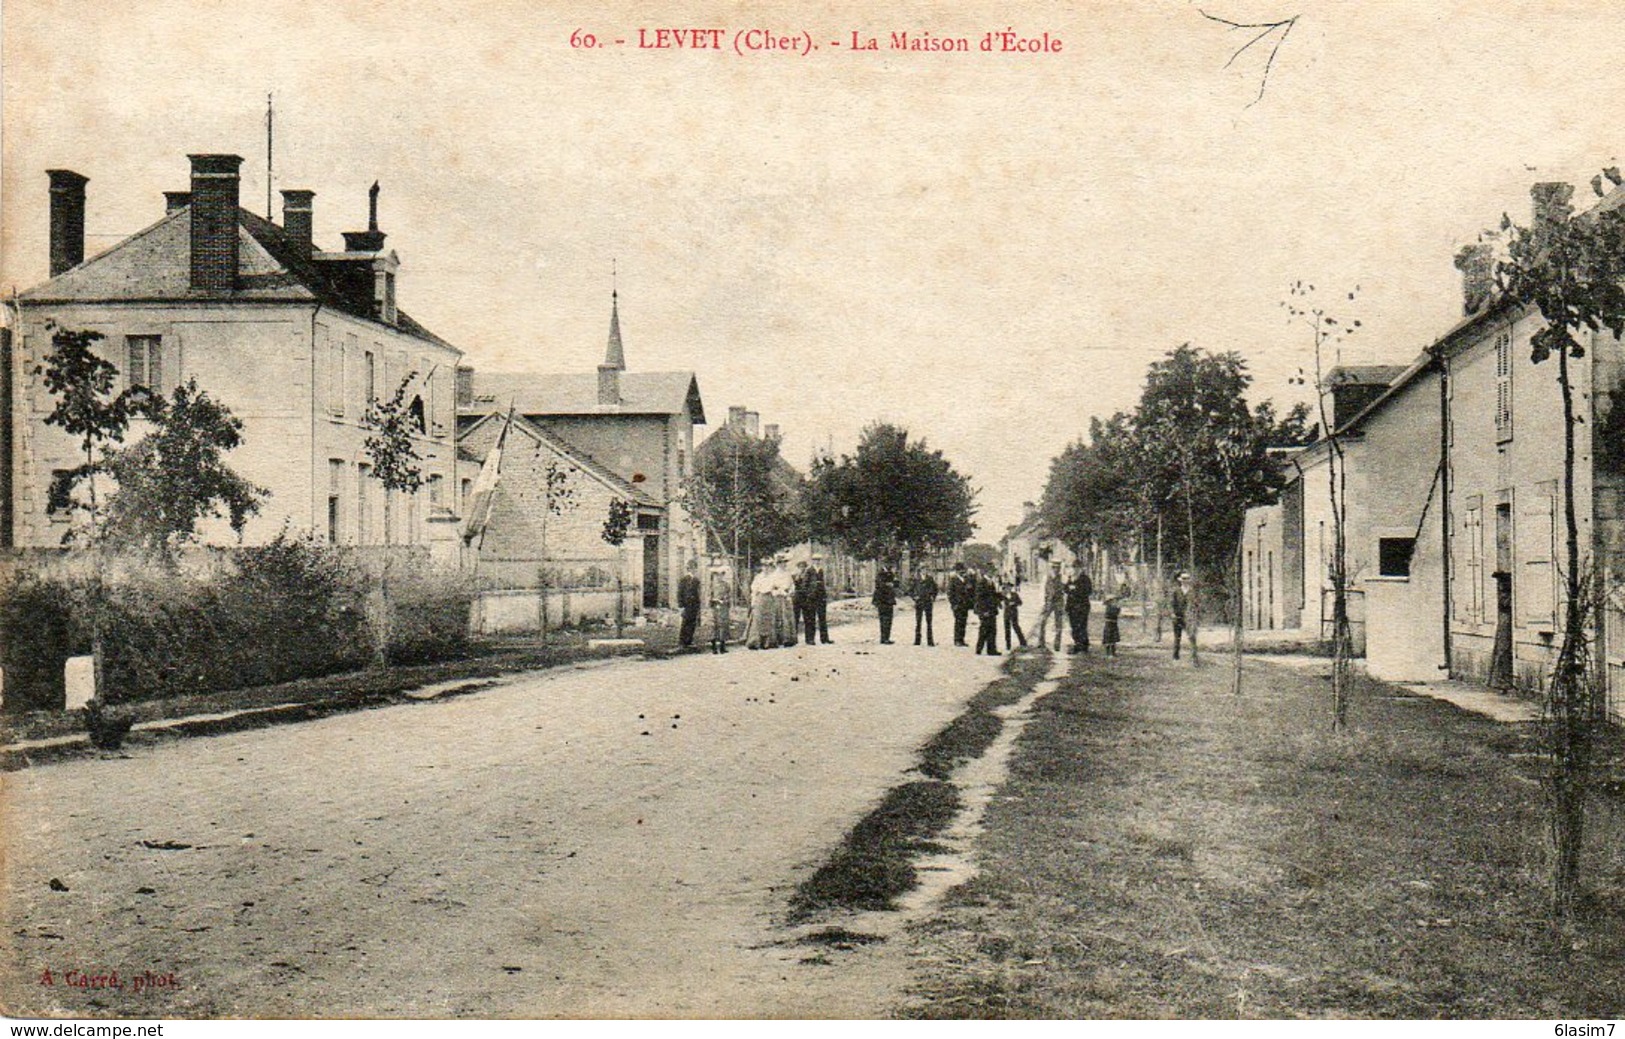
875	861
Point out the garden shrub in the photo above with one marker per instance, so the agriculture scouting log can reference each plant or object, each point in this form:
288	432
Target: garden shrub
287	610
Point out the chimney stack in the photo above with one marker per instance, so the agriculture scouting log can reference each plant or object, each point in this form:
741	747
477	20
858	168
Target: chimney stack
298	213
753	423
465	386
67	219
736	416
771	431
371	240
176	200
215	184
1477	266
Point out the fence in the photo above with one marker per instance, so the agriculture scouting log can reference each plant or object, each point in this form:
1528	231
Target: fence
524	594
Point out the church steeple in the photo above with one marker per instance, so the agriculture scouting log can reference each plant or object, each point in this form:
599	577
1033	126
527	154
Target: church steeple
609	373
615	354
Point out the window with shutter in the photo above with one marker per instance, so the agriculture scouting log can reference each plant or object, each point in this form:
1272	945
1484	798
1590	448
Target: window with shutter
145	362
1503	386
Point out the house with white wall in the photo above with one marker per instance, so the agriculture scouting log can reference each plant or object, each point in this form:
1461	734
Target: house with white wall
295	340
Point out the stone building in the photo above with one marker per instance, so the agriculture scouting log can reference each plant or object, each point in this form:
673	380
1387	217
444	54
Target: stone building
294	339
637	426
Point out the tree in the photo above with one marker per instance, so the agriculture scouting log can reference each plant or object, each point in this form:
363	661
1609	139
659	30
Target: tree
81	381
894	494
1327	336
176	475
391	451
1183	466
1572	271
616	526
745	496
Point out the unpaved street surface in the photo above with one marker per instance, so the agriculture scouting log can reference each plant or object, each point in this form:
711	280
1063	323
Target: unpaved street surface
613	840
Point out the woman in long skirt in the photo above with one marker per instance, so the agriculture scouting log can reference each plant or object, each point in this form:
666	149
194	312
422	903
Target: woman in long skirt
760	629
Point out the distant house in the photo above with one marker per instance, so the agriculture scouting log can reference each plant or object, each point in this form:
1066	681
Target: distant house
636	426
844	574
1027	548
294	339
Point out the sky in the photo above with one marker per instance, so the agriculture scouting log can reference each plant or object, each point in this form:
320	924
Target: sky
987	248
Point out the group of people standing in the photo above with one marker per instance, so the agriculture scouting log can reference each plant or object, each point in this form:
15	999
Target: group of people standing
997	604
784	606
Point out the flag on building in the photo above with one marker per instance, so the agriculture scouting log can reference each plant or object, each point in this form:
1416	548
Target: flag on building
485	485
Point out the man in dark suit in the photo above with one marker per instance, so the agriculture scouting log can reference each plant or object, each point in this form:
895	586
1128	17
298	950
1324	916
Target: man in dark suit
1078	594
815	604
961	596
800	619
885	600
986	599
924	593
688	599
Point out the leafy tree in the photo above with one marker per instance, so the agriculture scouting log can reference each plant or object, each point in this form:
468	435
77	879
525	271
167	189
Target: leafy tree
1572	271
1189	460
746	497
618	522
981	556
87	408
389	446
894	494
176	475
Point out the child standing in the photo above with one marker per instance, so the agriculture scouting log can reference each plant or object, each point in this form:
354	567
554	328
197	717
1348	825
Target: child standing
1109	635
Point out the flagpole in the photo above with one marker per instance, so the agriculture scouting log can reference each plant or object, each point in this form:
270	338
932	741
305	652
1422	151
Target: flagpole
269	214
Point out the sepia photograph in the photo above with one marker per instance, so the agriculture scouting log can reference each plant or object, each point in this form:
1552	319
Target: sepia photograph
1156	472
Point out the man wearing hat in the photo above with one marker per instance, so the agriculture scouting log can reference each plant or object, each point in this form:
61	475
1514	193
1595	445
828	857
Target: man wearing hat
961	596
1053	607
1179	605
1079	594
817	606
688	599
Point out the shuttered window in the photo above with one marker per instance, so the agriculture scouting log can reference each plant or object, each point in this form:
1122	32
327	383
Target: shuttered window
1503	386
144	357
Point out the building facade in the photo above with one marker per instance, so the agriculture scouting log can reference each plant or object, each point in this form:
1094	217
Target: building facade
294	340
638	426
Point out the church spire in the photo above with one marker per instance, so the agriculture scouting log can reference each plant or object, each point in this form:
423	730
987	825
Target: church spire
609	373
614	354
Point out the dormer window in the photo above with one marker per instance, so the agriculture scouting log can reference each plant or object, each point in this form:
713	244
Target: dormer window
383	291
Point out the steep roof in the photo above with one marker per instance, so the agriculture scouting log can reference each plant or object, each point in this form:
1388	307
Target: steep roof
573	393
154	265
574	455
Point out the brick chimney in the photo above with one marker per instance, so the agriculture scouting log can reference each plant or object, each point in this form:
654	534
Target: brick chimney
67	219
371	240
771	431
298	213
215	184
176	200
736	416
465	386
753	423
1476	263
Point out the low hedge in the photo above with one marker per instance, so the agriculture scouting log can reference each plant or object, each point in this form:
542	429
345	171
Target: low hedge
274	613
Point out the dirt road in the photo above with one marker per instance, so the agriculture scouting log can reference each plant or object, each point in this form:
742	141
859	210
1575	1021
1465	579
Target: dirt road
616	840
